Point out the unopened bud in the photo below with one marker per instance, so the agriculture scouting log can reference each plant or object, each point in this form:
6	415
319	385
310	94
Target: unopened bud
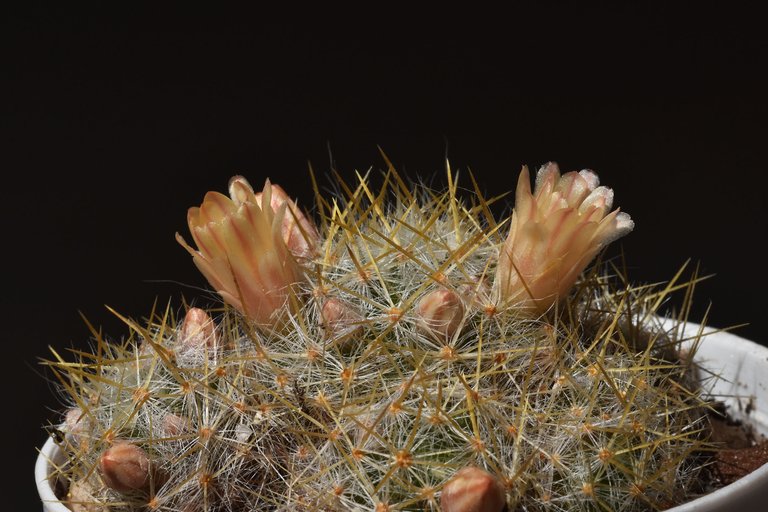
476	291
473	490
299	233
441	313
74	424
197	330
125	467
80	498
173	425
339	318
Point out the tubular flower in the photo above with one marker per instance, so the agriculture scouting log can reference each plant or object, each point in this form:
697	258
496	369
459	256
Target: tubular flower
242	251
299	233
554	234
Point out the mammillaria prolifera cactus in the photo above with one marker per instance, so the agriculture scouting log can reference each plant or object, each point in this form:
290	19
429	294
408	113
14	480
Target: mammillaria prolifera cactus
405	355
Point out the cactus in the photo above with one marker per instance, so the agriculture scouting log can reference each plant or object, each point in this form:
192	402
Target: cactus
409	353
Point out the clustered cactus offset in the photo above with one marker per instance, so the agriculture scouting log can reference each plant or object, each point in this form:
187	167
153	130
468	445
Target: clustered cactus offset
409	352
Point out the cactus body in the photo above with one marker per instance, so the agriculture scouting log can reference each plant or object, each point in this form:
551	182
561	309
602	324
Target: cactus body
394	363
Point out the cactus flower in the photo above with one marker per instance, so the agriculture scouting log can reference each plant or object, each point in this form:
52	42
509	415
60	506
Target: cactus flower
299	233
242	251
473	490
554	234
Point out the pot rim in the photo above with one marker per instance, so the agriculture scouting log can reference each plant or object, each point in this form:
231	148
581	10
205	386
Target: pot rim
45	459
741	488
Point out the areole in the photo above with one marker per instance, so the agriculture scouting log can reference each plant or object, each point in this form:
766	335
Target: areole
743	369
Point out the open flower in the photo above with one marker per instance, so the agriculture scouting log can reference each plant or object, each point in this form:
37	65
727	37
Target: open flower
242	250
554	234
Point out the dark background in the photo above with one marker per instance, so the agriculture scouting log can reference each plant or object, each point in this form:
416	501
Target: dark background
113	125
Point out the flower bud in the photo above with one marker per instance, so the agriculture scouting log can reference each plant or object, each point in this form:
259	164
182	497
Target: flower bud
299	233
80	498
440	313
125	467
473	490
476	291
197	330
75	424
339	319
173	425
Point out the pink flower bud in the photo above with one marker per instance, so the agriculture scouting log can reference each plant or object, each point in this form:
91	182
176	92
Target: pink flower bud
75	424
173	425
125	467
339	319
440	313
198	330
476	291
473	490
80	498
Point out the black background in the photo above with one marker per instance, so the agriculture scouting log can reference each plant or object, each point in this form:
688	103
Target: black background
114	124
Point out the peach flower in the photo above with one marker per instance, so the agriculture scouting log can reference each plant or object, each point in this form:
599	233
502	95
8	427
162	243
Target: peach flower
244	250
299	233
554	234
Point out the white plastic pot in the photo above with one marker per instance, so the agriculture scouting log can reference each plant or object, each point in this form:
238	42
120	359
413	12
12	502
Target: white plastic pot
743	368
49	456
